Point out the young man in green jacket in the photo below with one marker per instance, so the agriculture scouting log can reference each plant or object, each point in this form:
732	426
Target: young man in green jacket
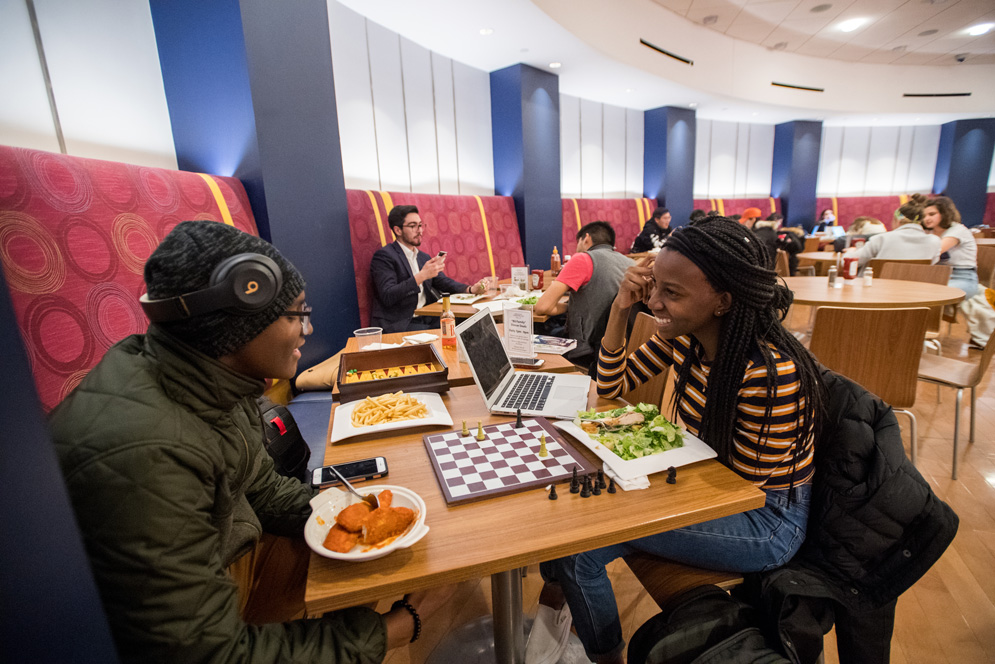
161	448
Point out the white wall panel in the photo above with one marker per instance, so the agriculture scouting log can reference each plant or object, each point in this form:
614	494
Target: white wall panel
419	117
569	146
722	169
353	97
25	117
922	165
903	155
106	80
742	159
853	163
830	154
882	161
388	107
634	138
615	149
591	150
445	124
702	158
760	160
474	142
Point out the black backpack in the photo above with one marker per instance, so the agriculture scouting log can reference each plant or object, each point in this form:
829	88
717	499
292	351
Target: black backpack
704	625
283	440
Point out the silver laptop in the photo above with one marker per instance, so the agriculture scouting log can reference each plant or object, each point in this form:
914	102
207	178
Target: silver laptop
506	390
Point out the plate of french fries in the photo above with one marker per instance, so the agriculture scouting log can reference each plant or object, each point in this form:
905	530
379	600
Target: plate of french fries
387	412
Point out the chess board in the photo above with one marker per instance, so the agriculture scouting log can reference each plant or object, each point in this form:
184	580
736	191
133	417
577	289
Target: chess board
506	461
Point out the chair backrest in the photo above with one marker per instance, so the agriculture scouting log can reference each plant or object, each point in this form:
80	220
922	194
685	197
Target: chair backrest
781	264
877	348
930	274
812	244
877	264
651	391
986	265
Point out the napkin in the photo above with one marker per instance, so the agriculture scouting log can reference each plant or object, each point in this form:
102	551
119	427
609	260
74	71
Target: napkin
628	485
382	346
423	338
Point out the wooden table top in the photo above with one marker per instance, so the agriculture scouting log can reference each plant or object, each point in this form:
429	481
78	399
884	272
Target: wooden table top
887	293
459	372
822	256
503	533
467	310
985	242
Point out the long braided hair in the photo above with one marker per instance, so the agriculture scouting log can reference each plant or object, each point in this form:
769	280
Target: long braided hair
734	260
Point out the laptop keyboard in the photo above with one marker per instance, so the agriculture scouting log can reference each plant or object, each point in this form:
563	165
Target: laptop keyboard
529	392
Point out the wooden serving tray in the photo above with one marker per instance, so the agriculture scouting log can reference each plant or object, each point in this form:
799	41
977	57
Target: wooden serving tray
436	381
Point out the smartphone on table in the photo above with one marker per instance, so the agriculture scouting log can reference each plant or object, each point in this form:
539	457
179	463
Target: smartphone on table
364	469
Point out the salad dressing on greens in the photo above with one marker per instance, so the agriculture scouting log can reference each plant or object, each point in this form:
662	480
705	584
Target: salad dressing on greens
631	432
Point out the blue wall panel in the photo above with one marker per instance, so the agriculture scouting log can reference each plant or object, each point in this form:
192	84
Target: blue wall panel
795	171
668	159
963	163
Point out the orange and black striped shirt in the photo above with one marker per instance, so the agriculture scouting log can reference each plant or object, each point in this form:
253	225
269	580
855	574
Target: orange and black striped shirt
768	462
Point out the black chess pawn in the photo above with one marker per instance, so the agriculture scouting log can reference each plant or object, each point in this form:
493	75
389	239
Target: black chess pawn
671	475
552	492
611	486
585	492
601	479
596	490
575	482
518	420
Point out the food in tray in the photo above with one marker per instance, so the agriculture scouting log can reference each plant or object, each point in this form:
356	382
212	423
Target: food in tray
388	408
360	524
631	432
357	376
528	301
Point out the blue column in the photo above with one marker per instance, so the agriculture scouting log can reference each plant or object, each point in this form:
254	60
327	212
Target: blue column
525	124
796	170
252	80
668	159
963	162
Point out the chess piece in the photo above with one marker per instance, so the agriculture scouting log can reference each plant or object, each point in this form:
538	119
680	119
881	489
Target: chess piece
671	475
574	482
518	420
552	492
480	431
596	489
543	452
611	486
601	479
585	492
466	430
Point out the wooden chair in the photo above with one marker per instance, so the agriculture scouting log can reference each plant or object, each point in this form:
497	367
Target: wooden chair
812	244
781	263
879	349
651	391
878	263
930	274
986	265
948	372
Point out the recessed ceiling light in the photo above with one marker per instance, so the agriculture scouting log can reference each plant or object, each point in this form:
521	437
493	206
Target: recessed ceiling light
927	33
820	8
486	31
852	24
780	46
980	29
555	65
711	19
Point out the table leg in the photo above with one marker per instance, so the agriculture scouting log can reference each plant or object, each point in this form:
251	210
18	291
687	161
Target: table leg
506	605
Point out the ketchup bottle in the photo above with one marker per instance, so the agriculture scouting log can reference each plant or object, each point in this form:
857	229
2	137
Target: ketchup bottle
554	263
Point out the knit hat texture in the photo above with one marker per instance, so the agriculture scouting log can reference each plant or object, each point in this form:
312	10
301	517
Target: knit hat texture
183	263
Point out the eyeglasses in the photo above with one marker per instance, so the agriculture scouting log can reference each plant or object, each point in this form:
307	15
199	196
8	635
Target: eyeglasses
418	226
304	314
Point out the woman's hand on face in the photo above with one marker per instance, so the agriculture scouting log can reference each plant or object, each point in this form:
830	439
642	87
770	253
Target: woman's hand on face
637	284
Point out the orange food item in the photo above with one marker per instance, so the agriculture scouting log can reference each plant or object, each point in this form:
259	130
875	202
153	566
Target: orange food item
340	540
386	522
352	517
385	498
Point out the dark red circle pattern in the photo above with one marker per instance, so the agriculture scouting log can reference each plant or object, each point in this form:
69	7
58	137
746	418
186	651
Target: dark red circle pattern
113	313
55	328
61	182
80	231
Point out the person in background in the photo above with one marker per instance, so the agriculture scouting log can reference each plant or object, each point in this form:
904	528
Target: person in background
959	250
654	232
697	214
405	278
866	226
591	278
827	218
770	233
744	385
750	216
161	446
908	241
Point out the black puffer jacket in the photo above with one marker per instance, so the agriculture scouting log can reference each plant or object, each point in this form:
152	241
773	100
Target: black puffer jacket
875	528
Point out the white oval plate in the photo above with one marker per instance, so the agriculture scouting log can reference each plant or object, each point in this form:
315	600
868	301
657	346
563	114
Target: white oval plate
343	428
327	504
496	306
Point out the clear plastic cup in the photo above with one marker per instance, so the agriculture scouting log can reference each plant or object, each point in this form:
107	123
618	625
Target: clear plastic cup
368	338
504	289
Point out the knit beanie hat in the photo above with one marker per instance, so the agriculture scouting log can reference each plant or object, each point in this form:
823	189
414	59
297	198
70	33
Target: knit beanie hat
183	263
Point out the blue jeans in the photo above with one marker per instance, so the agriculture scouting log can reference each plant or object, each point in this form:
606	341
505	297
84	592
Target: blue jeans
754	541
966	279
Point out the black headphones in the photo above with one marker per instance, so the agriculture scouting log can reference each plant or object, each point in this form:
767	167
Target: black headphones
241	284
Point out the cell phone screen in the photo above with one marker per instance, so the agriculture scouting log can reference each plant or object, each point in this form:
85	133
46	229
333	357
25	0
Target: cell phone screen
351	471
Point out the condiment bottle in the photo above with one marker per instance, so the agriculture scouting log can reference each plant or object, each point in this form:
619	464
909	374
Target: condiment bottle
868	276
832	276
554	263
448	324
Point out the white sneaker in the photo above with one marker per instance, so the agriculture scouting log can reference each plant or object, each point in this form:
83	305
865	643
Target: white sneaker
549	636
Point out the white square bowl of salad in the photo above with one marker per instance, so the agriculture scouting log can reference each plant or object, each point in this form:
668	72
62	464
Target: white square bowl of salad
636	441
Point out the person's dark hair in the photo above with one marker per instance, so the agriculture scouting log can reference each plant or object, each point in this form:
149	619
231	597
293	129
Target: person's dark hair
696	214
949	215
734	260
775	216
659	212
395	218
823	215
735	217
911	210
712	213
601	232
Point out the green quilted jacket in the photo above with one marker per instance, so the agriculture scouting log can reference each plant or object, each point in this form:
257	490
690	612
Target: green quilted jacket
161	448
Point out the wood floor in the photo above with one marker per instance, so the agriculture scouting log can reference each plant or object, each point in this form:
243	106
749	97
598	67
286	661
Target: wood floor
947	617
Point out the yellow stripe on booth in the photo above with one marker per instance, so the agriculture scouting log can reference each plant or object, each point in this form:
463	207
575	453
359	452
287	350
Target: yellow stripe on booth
836	214
219	198
388	204
376	213
487	235
641	212
646	202
773	208
712	203
722	207
576	211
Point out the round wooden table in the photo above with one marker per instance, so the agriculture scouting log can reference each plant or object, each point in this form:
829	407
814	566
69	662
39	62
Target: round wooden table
819	256
886	293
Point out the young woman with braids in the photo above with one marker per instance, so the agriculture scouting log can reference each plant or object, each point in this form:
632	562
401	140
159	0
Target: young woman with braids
745	386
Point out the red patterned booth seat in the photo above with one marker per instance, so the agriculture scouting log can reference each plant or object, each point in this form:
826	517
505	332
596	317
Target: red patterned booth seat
74	236
626	215
989	218
728	206
847	208
705	204
480	234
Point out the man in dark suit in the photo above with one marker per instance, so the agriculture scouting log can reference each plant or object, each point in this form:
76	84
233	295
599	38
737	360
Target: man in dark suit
405	278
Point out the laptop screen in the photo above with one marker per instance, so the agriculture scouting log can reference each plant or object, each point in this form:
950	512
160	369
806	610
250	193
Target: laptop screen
486	353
